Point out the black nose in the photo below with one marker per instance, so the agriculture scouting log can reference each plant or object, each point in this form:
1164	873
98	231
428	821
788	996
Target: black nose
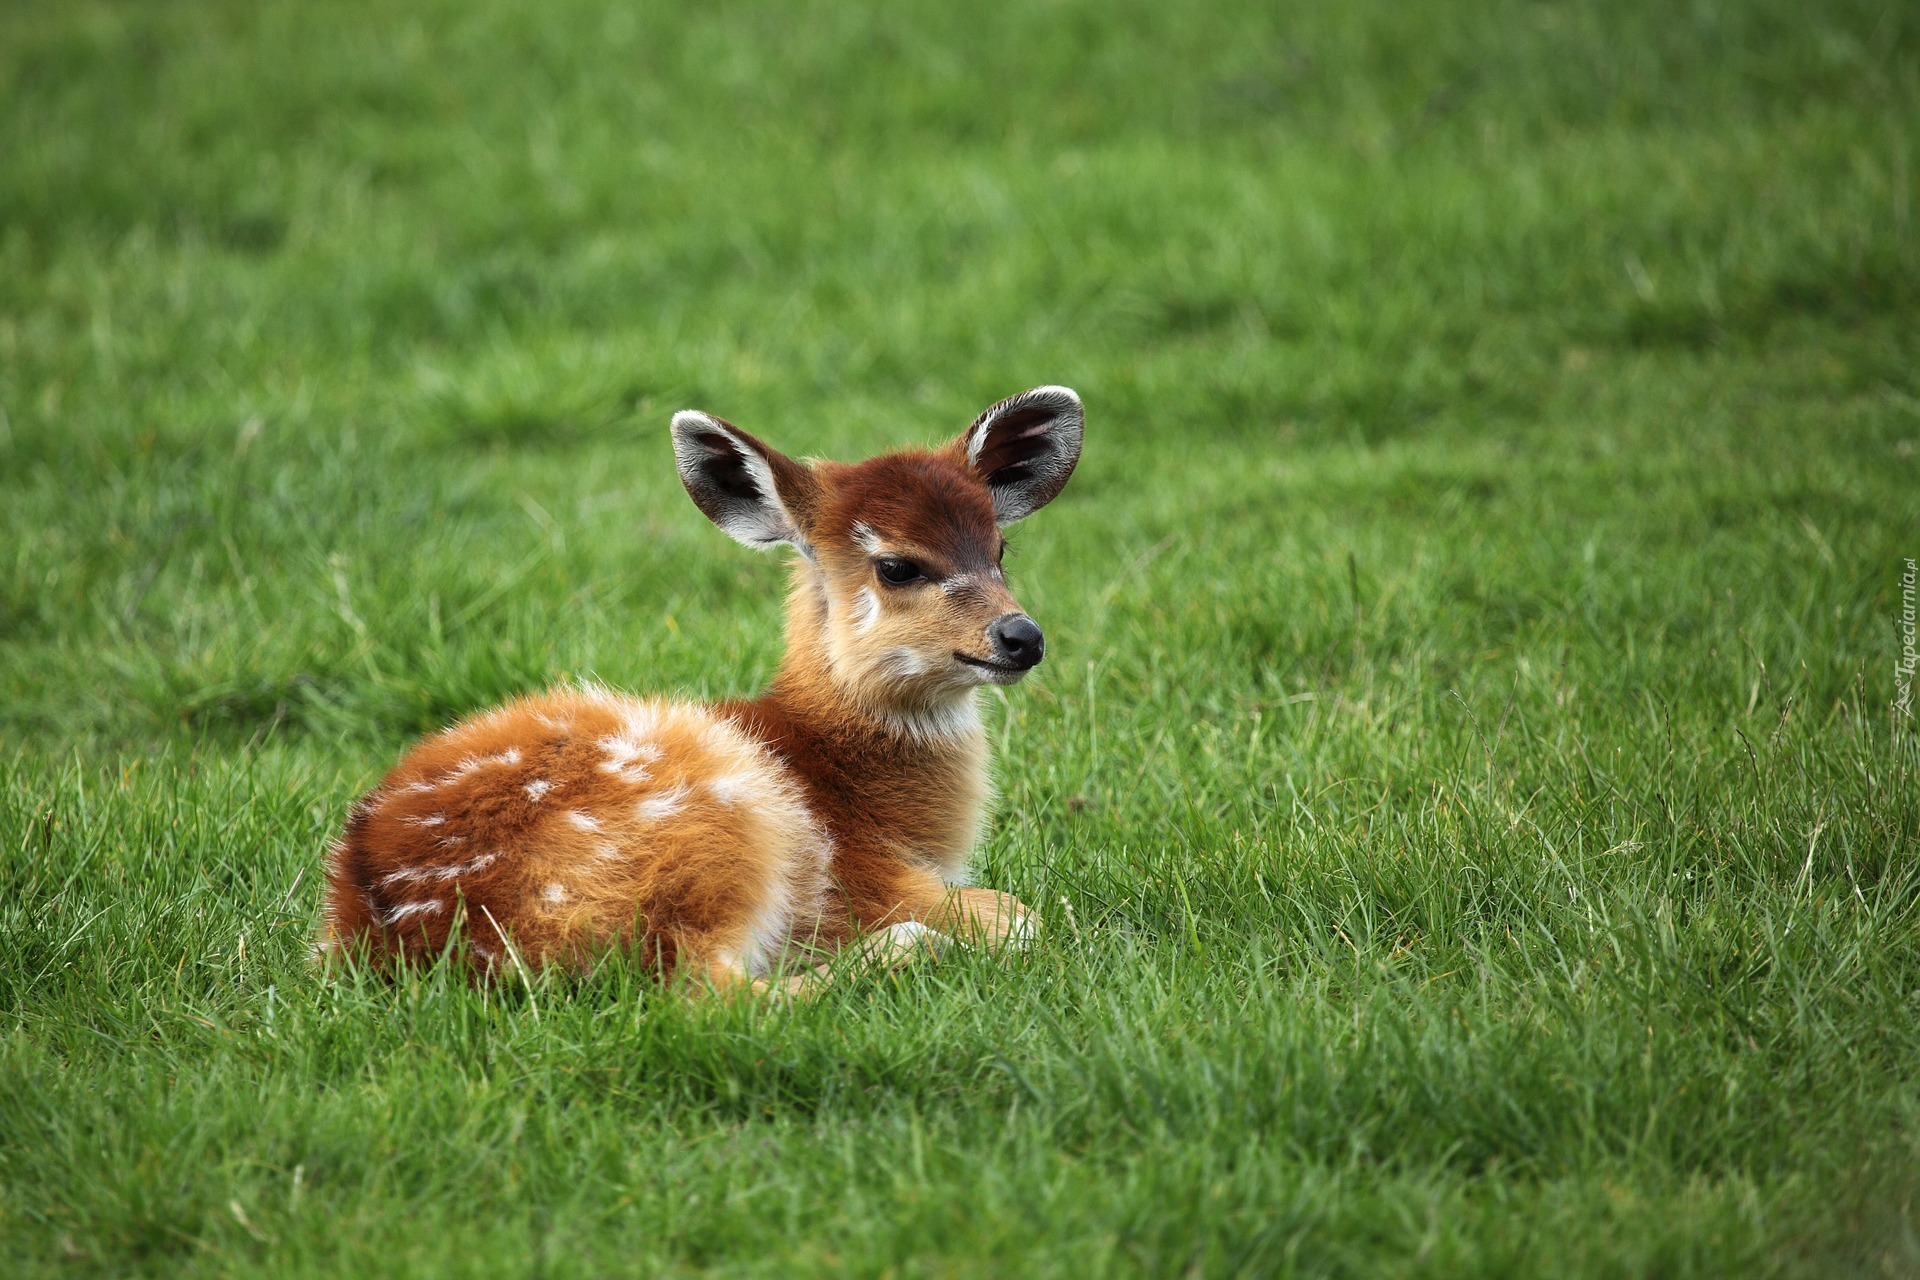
1017	640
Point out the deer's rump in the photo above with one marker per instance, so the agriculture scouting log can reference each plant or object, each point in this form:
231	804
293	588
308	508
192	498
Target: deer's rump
558	826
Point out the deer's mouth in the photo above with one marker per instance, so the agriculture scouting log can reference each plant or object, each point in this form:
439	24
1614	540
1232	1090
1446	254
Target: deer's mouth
1004	672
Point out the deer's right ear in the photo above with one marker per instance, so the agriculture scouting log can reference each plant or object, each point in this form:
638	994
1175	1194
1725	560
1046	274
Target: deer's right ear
755	493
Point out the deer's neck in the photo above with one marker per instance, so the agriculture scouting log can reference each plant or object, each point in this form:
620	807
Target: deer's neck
913	784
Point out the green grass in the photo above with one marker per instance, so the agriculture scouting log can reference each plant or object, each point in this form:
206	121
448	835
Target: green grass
1472	830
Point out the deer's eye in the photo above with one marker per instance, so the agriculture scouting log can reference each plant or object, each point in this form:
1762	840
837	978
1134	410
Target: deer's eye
896	572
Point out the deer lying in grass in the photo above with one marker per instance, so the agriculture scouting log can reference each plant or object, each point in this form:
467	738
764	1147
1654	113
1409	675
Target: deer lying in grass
844	802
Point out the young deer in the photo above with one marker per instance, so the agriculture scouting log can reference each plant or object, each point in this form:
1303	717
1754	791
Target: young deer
844	801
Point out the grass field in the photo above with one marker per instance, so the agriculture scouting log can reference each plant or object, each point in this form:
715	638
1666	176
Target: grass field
1473	829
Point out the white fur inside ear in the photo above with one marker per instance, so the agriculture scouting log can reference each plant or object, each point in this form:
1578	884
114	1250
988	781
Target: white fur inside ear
732	482
1026	447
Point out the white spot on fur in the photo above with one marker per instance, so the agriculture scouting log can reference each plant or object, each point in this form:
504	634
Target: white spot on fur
414	875
868	540
556	893
663	805
584	821
604	852
537	788
480	863
472	764
628	758
866	610
431	820
401	912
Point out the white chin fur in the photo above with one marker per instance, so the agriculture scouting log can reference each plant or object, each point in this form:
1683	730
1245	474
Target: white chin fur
939	722
986	675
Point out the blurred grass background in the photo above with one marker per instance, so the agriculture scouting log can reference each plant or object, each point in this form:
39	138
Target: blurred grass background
1463	791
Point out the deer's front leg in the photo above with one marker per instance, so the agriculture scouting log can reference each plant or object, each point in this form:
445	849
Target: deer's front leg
985	918
922	915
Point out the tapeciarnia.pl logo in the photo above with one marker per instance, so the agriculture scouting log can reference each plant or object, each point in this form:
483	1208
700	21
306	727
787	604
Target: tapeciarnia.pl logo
1904	664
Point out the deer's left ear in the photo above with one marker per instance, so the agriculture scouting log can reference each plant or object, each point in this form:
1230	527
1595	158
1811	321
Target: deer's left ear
1025	447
